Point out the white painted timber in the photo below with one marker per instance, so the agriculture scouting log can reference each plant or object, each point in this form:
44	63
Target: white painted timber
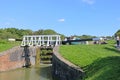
39	40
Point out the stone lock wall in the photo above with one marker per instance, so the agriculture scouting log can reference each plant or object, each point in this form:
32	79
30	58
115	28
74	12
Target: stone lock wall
11	59
63	69
15	58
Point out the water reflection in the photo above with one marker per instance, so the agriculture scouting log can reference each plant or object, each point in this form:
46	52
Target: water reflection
35	73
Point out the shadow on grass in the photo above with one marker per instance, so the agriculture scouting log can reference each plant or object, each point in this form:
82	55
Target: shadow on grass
104	69
113	49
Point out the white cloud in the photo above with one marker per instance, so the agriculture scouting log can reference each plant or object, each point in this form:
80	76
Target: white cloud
61	20
90	2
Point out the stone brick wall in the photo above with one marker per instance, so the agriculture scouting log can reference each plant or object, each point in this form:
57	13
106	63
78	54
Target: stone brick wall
11	59
63	69
14	58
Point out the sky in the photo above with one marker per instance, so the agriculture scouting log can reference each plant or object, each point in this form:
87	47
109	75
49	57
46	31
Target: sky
68	17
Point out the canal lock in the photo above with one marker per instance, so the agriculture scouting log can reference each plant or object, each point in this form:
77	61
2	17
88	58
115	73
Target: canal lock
30	55
43	55
46	54
26	55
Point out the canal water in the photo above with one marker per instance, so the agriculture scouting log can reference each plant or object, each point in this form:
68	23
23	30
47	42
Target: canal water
43	72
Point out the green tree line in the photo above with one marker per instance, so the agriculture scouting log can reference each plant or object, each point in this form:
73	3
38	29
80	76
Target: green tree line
6	33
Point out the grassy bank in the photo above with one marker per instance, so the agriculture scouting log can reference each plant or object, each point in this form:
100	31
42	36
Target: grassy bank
5	45
100	62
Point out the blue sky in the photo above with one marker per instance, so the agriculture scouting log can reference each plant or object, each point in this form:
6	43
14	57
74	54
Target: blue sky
69	17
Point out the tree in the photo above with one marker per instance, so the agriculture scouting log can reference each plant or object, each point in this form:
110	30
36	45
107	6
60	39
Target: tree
117	33
23	32
12	30
50	32
19	33
39	32
5	35
45	32
62	36
86	36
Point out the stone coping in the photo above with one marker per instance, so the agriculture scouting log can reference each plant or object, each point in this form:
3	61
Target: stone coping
10	50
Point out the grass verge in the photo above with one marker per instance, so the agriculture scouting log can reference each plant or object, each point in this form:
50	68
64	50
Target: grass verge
100	62
5	45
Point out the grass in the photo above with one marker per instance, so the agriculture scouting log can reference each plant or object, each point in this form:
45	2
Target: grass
100	62
5	45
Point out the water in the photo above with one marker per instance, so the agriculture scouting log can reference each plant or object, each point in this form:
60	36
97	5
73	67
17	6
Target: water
34	73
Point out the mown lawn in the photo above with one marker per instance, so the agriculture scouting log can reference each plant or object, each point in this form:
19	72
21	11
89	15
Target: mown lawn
100	62
5	45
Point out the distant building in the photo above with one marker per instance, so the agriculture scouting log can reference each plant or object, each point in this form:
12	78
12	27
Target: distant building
75	41
99	40
11	39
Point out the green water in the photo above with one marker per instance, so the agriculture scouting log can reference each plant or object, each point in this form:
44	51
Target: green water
34	73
